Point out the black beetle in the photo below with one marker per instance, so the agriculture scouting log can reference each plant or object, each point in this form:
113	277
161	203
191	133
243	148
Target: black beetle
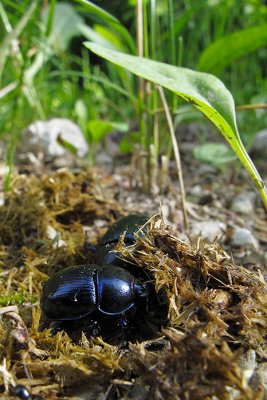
93	292
129	226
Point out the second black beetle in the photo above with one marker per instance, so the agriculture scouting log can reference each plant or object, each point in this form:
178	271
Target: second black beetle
129	226
98	293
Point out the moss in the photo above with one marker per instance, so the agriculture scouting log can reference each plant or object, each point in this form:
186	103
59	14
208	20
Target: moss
13	298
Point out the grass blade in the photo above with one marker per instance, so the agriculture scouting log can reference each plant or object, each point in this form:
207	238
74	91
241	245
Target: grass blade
14	34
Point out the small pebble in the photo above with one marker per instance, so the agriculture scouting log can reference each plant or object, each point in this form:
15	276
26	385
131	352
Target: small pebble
103	159
54	236
244	203
242	237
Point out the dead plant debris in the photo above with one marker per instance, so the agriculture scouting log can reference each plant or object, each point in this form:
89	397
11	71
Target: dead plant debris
217	310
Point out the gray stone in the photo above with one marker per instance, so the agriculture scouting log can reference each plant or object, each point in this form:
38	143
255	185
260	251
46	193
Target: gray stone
259	378
196	190
208	230
242	237
248	363
259	146
204	169
244	203
103	159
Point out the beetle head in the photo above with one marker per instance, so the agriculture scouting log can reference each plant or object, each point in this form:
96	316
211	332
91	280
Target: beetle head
141	289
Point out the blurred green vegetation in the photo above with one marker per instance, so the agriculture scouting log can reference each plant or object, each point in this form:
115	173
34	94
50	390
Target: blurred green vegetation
46	72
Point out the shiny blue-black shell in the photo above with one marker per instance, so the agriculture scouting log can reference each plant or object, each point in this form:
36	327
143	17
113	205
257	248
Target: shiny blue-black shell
78	291
129	226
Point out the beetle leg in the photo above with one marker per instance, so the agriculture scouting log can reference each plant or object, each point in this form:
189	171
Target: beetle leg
123	322
93	330
89	326
55	326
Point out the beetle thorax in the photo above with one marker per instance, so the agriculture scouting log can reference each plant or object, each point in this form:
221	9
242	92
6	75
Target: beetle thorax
115	289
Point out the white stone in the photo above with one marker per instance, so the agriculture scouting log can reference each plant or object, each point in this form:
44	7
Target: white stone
208	230
54	236
41	138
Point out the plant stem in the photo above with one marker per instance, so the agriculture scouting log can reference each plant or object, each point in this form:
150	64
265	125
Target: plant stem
251	106
140	41
176	155
50	17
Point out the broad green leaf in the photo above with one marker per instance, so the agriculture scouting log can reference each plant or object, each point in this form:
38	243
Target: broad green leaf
206	92
231	47
214	153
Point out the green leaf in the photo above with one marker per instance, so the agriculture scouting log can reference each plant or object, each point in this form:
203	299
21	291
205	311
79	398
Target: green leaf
110	37
103	17
98	128
231	47
206	92
67	145
128	142
94	36
214	153
99	13
82	114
